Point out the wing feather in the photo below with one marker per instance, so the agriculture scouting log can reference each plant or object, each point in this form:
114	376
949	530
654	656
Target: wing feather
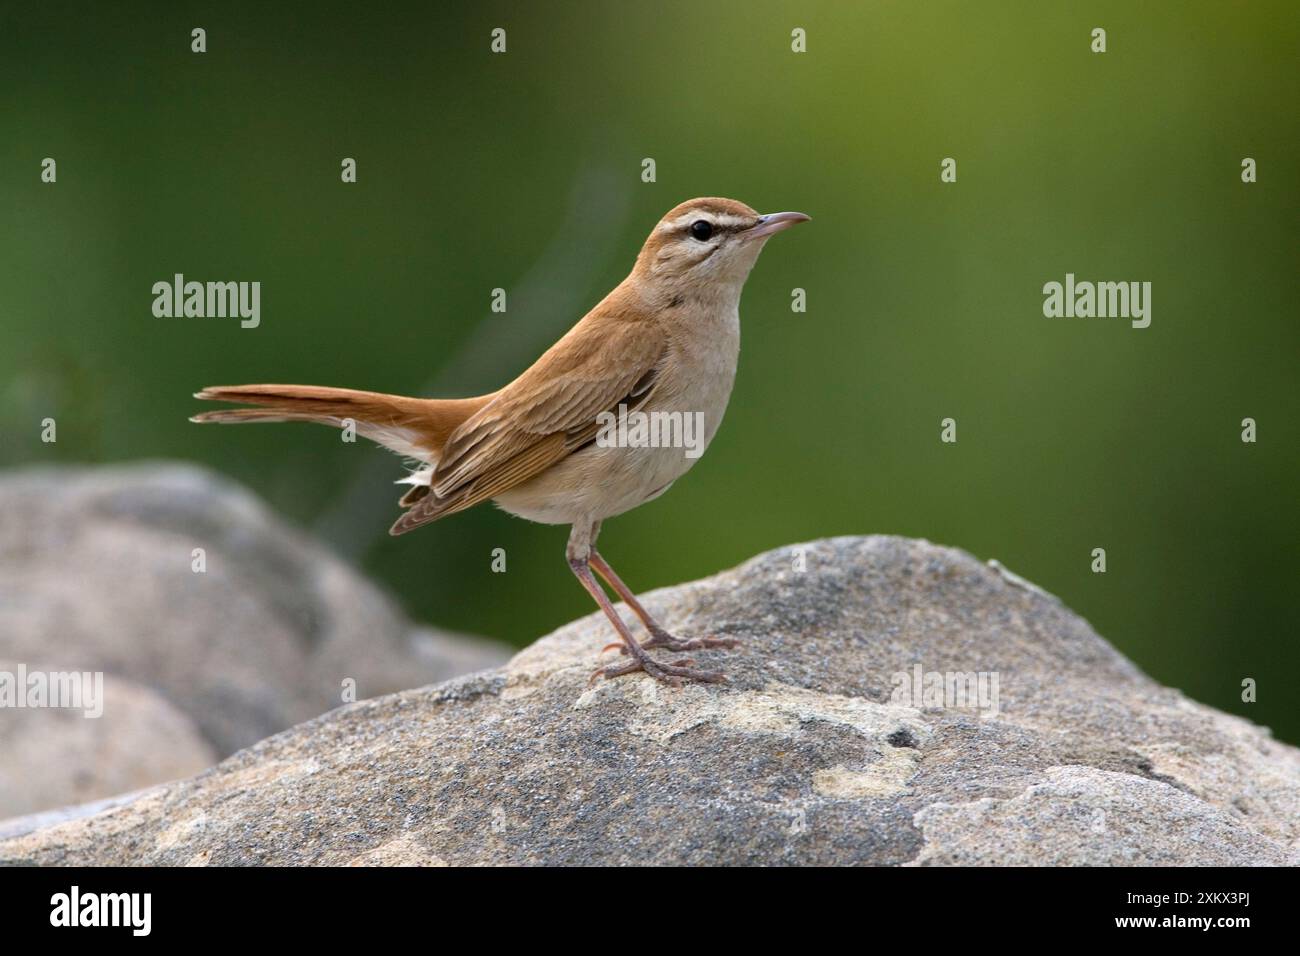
543	416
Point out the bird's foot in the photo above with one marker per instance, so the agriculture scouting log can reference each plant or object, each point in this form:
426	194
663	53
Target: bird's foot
661	638
672	674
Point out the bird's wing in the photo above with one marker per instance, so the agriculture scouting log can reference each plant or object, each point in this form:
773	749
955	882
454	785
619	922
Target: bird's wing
543	416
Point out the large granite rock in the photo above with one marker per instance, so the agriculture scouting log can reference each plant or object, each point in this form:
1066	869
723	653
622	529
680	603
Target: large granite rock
809	755
97	573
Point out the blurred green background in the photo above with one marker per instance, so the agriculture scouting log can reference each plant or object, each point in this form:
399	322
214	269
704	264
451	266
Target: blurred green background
522	171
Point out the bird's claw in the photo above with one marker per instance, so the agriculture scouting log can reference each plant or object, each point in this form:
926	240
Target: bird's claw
668	642
672	674
661	638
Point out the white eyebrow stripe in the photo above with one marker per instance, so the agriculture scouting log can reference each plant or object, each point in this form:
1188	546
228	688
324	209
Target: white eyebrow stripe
726	219
672	225
718	219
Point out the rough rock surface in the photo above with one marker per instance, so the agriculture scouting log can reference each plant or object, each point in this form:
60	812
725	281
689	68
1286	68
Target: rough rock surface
96	574
802	758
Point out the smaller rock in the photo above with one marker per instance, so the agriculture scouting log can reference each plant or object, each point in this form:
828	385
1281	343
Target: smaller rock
59	756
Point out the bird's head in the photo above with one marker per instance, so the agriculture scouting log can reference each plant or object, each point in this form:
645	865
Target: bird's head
708	242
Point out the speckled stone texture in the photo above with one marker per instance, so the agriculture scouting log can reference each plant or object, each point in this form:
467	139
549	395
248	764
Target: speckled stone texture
805	757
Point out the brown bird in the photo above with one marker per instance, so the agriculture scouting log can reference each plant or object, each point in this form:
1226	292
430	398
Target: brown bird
657	357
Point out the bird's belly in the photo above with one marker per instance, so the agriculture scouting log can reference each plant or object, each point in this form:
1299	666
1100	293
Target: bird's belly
626	467
595	483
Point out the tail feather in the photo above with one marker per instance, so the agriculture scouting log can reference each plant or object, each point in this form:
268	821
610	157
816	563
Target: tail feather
415	427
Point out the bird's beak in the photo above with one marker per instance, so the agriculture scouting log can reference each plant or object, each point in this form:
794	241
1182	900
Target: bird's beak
774	222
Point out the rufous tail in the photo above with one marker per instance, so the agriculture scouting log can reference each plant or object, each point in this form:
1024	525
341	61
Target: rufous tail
414	427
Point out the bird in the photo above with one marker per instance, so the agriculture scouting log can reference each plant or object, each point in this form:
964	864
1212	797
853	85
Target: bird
665	341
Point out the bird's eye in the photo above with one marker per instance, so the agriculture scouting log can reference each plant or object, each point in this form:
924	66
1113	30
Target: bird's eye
701	230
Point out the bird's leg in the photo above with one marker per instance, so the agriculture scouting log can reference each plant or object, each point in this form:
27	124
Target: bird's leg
579	555
658	636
